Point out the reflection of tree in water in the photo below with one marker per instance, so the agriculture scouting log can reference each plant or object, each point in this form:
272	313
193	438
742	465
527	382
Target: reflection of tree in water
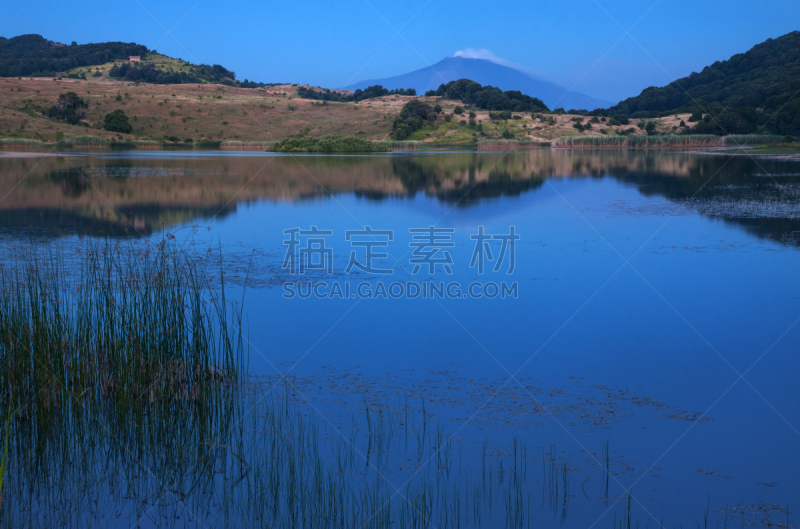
92	194
416	176
72	181
763	196
464	182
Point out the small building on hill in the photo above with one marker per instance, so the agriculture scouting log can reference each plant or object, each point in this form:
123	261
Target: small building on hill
135	58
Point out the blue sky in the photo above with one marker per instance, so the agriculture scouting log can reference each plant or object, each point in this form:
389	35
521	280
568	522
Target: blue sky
580	43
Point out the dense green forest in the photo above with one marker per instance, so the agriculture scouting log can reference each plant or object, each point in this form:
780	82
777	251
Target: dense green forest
359	95
412	117
33	55
36	56
488	97
146	73
752	92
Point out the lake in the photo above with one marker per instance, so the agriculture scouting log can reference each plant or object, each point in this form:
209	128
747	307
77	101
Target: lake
630	317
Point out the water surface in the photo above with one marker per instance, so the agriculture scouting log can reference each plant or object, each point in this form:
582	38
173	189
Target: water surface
657	308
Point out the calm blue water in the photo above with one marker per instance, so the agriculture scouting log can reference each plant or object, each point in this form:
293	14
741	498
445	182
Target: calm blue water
658	299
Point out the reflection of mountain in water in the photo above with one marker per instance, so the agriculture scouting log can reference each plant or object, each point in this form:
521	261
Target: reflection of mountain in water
130	196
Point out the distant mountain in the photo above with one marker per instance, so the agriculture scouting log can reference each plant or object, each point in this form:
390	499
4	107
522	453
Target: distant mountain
754	91
486	73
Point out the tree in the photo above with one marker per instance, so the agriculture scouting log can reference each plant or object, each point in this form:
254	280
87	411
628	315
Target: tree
69	107
117	121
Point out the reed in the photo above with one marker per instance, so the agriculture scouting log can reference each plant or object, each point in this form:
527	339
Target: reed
15	143
594	142
147	143
131	322
4	458
511	144
752	139
409	145
88	141
245	145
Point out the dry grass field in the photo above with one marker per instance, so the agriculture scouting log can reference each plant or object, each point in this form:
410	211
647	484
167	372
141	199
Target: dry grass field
217	112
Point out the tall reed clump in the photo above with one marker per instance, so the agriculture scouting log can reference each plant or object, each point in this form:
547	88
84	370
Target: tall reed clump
678	140
132	325
15	143
511	144
4	456
236	144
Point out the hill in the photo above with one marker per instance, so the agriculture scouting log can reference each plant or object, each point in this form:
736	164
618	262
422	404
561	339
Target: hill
486	73
218	112
755	91
35	56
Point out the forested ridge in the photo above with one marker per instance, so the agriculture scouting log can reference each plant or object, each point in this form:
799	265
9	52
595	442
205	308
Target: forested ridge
33	55
755	91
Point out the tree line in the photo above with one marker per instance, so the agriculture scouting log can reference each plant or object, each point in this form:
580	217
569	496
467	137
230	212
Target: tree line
359	95
488	97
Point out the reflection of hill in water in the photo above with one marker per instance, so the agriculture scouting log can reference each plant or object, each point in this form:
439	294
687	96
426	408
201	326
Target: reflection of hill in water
120	196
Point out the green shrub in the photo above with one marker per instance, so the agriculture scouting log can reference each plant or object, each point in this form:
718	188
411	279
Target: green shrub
117	121
412	118
329	143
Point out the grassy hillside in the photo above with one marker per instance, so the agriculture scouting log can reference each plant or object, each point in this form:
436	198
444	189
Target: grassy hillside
750	90
218	112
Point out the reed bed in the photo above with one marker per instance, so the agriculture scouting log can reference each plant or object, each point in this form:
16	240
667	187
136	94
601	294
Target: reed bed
511	144
133	324
245	145
87	141
752	139
678	140
410	145
16	143
148	144
691	140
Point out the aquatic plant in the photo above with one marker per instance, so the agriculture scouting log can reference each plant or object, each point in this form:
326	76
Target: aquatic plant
132	321
327	144
677	140
404	145
87	141
752	139
697	140
11	143
500	144
236	144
